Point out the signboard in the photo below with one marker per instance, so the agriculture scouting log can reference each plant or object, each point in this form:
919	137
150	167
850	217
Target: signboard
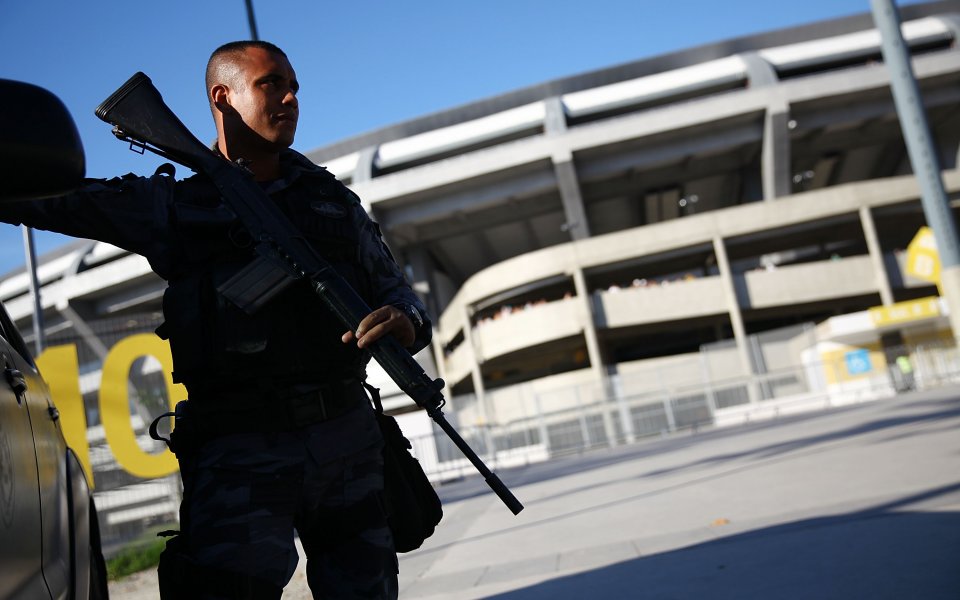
923	260
858	361
904	312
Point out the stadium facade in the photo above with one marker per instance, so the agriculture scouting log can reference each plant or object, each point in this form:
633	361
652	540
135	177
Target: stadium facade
652	208
729	213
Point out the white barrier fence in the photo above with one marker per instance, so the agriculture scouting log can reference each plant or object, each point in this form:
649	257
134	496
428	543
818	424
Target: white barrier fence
598	416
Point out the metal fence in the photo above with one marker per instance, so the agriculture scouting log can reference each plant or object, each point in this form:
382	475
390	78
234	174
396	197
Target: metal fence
615	418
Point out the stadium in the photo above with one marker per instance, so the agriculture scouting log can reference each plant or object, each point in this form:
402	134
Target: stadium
688	240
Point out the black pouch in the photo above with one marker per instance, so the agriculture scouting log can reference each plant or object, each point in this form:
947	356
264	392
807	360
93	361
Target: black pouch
413	507
172	570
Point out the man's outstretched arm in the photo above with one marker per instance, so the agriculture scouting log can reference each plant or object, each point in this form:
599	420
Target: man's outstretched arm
129	212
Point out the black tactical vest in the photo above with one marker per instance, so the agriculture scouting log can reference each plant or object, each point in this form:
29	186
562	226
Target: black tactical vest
293	338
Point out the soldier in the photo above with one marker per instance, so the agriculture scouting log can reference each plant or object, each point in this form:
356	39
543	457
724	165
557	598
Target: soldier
278	434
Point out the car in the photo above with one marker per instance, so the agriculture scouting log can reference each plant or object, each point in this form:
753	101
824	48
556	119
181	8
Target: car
49	532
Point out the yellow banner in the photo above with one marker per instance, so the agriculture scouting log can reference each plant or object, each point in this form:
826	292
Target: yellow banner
904	312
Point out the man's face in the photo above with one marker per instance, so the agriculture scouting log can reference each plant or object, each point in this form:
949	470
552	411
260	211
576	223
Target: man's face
265	98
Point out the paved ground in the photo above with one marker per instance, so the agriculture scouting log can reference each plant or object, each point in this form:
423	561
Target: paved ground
859	502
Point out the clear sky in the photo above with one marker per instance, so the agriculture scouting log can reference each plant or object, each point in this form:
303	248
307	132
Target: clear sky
361	65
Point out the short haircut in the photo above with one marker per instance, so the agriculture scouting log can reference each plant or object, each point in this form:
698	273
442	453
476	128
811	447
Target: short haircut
222	66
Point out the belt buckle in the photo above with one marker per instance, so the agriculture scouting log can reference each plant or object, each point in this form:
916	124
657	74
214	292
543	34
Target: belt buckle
322	401
303	410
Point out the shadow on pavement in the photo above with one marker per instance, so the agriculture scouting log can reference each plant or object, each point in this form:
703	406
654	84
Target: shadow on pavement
877	553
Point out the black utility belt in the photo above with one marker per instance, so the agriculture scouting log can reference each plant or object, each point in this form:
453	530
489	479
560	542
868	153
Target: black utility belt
210	414
247	410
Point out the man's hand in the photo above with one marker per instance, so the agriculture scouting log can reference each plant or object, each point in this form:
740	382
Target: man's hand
384	320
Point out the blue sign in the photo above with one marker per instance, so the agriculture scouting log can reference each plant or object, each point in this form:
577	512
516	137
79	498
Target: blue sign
858	361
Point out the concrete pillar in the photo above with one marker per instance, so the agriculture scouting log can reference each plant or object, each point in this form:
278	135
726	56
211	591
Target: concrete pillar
736	317
760	73
555	119
476	375
364	169
70	313
554	123
422	279
615	389
589	325
437	346
876	256
775	153
593	349
80	326
569	187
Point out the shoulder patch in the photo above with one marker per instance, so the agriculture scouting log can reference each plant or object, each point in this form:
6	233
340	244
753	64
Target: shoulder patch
328	209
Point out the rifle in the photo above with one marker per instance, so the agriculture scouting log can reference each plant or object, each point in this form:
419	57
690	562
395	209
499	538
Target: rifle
140	116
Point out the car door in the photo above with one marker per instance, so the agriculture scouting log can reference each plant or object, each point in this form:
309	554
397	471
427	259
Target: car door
51	454
21	573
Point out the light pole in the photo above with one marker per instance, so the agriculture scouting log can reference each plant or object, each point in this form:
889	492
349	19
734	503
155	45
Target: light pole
923	153
252	20
39	339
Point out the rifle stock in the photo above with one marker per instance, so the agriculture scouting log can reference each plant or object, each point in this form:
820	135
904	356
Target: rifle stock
138	110
140	116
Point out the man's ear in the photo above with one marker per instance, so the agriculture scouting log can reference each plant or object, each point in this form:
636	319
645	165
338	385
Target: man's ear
220	95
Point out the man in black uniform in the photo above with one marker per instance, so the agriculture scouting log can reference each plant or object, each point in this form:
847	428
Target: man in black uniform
278	434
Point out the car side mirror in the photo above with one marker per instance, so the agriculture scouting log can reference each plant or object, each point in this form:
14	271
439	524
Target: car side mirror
41	154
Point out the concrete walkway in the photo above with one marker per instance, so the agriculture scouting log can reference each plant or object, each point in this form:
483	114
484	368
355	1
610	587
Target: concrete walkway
858	502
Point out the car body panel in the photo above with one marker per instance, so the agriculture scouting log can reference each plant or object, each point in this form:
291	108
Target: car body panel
20	515
80	505
51	452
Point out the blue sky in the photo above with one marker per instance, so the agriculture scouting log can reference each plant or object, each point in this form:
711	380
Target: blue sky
361	65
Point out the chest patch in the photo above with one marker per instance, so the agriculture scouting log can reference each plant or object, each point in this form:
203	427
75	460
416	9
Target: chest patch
330	210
